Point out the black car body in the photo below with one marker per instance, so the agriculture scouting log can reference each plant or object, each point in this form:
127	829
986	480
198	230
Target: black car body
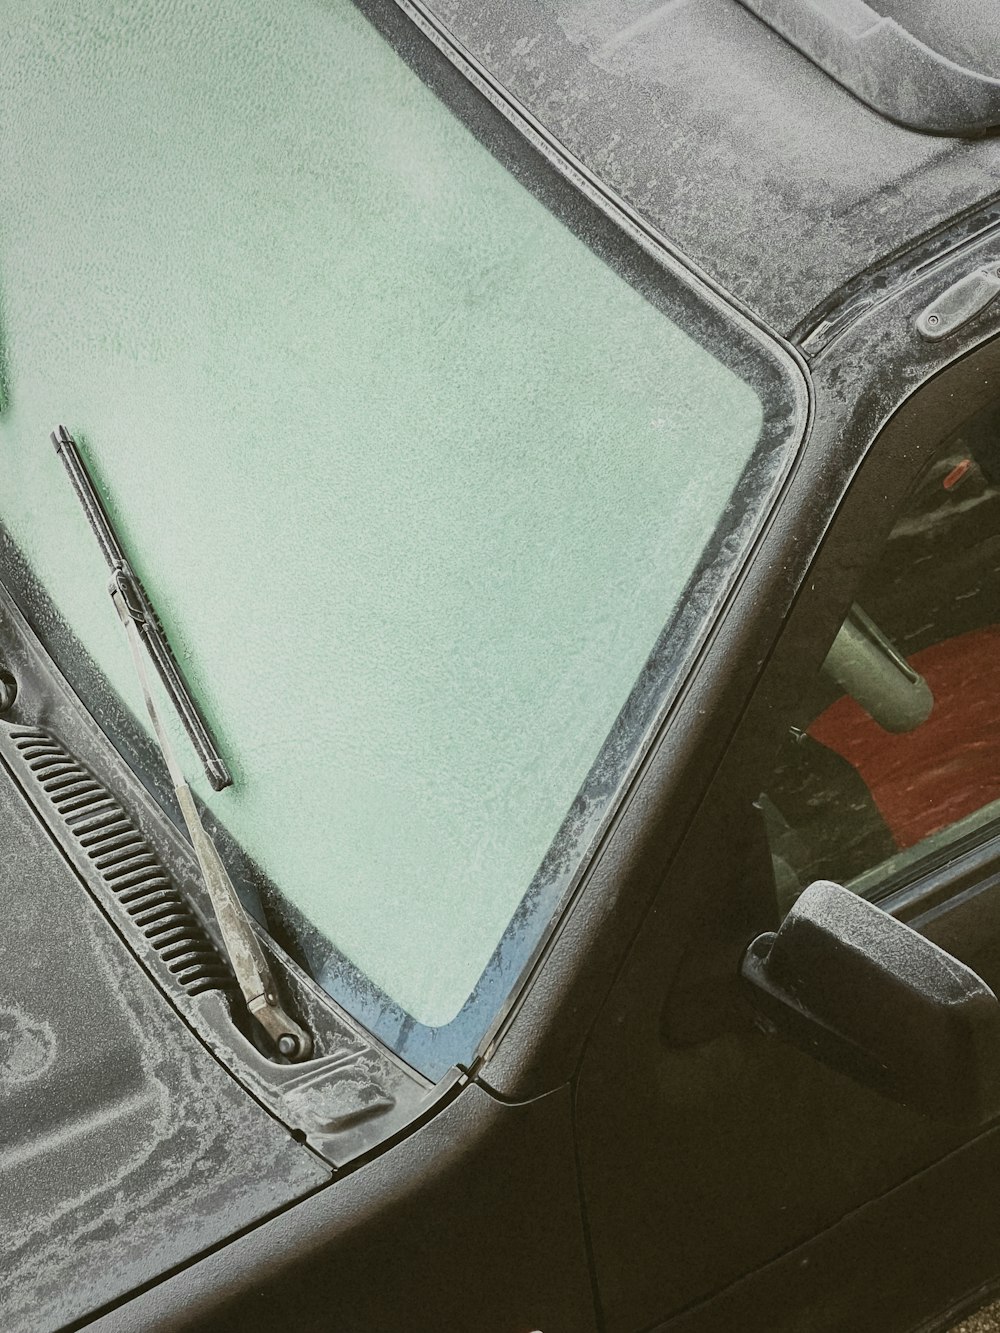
611	1130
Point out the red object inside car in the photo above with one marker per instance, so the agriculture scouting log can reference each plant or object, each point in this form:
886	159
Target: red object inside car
925	779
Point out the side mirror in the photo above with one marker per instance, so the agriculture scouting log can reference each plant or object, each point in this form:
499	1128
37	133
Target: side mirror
866	994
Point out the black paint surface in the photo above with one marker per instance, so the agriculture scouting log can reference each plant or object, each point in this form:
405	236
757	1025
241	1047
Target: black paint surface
125	1150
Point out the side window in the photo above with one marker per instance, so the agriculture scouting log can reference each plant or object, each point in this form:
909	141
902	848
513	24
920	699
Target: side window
892	757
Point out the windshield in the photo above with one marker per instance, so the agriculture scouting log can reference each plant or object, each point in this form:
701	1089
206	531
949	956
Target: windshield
415	476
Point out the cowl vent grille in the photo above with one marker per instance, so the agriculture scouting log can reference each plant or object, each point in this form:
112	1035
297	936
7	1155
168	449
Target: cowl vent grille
125	862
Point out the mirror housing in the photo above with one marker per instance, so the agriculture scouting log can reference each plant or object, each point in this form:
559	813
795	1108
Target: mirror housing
866	994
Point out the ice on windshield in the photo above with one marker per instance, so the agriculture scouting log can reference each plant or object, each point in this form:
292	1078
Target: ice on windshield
414	478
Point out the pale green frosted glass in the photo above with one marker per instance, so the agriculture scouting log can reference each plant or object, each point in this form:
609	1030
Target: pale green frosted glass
414	478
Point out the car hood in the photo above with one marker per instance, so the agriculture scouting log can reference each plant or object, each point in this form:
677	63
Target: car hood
126	1149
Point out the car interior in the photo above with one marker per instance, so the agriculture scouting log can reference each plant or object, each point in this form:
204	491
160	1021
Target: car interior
891	759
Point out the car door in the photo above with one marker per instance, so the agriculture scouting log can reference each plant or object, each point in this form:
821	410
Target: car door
731	1180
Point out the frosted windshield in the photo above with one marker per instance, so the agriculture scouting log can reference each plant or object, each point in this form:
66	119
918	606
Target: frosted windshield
415	479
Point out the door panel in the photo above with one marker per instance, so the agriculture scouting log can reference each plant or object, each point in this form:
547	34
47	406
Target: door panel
942	1224
704	1162
708	1149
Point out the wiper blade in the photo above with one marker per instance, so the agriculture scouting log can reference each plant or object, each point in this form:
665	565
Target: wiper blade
246	955
126	583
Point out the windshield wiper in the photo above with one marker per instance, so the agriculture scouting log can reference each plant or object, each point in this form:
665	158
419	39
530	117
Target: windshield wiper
125	582
246	956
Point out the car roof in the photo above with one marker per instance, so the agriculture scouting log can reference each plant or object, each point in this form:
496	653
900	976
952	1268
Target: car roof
757	165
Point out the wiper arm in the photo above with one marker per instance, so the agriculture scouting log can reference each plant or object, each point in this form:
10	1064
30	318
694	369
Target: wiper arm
249	963
250	966
125	582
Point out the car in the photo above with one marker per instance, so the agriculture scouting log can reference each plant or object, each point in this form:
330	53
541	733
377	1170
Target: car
524	854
